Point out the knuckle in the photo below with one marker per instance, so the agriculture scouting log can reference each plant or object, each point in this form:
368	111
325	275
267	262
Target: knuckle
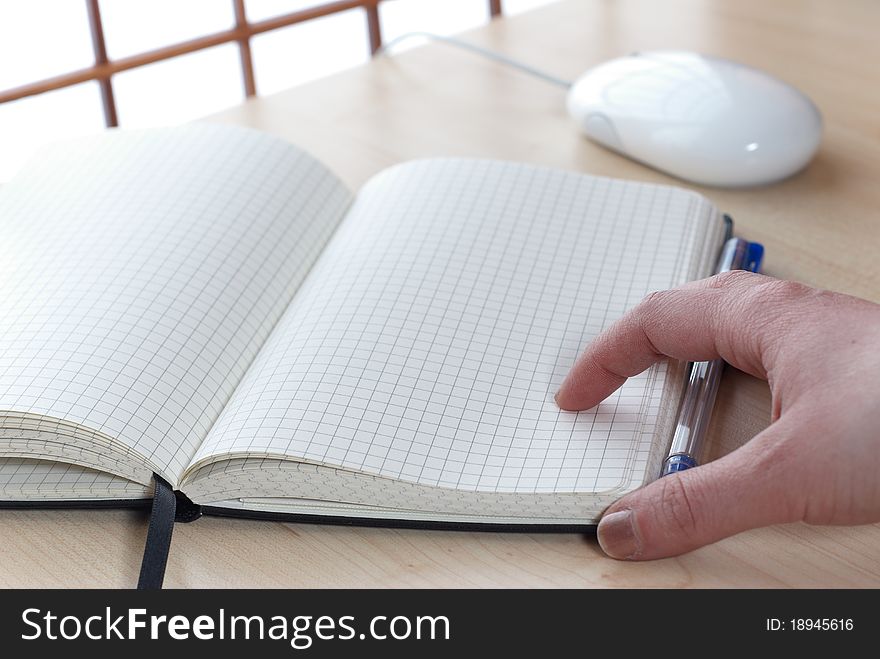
649	313
654	300
730	278
652	307
677	505
777	309
777	290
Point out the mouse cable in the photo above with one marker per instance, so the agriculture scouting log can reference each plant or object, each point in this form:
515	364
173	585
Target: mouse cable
490	54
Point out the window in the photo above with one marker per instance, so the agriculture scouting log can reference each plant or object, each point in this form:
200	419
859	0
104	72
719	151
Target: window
77	66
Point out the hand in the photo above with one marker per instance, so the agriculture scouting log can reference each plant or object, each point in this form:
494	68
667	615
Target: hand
818	461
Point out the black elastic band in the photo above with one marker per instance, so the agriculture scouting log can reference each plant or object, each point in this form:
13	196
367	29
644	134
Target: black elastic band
158	536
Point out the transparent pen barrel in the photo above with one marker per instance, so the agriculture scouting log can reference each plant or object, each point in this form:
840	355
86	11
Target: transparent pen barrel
696	408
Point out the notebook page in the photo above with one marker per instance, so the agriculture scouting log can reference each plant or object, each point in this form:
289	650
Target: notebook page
139	274
42	480
429	339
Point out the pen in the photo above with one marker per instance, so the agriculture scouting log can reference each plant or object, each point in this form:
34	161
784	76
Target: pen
702	384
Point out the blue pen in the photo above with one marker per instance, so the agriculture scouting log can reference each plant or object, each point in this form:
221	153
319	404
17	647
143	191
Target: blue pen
702	385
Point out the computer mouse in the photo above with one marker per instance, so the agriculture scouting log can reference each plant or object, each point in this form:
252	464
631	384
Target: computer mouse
704	119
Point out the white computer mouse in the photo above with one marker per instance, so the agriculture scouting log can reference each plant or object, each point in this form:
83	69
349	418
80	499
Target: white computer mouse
704	119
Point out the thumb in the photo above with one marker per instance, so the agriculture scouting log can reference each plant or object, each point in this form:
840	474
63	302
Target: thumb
748	488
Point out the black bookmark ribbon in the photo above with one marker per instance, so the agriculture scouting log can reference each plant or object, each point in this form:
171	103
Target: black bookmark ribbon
158	536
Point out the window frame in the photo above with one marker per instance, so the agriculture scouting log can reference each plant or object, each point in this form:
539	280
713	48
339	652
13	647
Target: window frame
241	33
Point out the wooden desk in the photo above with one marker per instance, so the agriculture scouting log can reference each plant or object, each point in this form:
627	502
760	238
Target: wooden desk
821	227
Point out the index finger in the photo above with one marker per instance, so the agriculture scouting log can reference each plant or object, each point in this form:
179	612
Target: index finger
699	321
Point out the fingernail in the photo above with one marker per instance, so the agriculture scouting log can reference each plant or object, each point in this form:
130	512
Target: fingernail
618	535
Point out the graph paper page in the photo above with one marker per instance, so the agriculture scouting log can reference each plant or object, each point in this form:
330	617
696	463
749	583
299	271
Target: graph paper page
429	339
39	479
140	272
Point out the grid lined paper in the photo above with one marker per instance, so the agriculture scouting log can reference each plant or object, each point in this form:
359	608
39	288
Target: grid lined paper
139	275
40	479
427	342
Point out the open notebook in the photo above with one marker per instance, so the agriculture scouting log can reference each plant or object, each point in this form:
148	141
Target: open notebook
212	305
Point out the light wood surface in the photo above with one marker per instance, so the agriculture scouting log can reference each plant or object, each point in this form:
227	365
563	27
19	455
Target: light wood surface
821	227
